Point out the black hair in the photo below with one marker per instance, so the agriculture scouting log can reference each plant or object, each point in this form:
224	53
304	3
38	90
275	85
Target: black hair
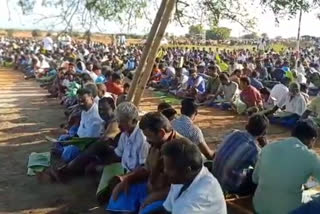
257	125
223	76
304	130
155	121
86	77
183	153
116	76
254	74
169	113
245	80
126	85
108	100
303	87
188	107
93	88
96	67
162	106
265	91
83	91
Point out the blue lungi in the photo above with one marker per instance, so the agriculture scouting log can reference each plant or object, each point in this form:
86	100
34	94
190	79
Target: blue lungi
132	201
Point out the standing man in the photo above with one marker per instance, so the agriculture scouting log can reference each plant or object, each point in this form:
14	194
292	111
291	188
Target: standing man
47	43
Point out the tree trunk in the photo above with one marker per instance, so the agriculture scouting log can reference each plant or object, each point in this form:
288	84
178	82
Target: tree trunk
146	50
154	50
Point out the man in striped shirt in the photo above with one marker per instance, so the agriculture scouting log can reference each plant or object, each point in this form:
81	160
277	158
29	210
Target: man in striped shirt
184	126
236	157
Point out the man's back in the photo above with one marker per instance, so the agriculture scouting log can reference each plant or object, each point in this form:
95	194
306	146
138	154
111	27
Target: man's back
280	172
185	127
278	91
234	161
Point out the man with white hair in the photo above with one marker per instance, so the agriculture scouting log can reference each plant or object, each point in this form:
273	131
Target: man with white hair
132	146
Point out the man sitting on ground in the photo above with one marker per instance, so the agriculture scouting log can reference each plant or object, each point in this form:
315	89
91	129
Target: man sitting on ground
294	104
91	124
227	94
193	188
267	99
236	157
114	85
283	167
146	188
214	85
179	83
196	85
280	89
249	94
254	81
98	151
184	125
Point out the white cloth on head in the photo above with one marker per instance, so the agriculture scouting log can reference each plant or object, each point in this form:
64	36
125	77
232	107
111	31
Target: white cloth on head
278	91
91	124
203	196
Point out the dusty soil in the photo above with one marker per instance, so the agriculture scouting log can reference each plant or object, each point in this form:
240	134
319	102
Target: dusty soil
27	116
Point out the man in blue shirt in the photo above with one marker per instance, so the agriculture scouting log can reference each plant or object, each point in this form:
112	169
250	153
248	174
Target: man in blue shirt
237	155
254	81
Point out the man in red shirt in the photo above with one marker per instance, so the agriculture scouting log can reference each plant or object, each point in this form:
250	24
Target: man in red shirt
114	85
250	95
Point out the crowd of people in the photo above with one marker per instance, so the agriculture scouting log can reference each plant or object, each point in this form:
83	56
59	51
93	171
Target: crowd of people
168	167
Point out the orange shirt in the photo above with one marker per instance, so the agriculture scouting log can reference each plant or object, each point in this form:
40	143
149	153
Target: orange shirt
114	88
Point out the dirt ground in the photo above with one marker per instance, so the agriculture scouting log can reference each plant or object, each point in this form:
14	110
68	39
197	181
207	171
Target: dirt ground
27	116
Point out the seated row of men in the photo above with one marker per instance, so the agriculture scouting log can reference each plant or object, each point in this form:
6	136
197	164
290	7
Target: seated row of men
163	158
284	104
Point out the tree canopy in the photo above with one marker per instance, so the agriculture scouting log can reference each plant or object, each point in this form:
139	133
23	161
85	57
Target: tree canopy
218	33
250	36
196	30
88	13
289	8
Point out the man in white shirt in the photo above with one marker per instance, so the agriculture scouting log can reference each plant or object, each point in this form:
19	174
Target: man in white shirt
193	188
295	105
279	90
91	124
132	146
48	43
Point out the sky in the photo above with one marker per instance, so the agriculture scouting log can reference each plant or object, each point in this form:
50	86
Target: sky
265	23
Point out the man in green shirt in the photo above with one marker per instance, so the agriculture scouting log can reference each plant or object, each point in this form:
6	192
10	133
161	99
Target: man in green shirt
213	85
282	168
